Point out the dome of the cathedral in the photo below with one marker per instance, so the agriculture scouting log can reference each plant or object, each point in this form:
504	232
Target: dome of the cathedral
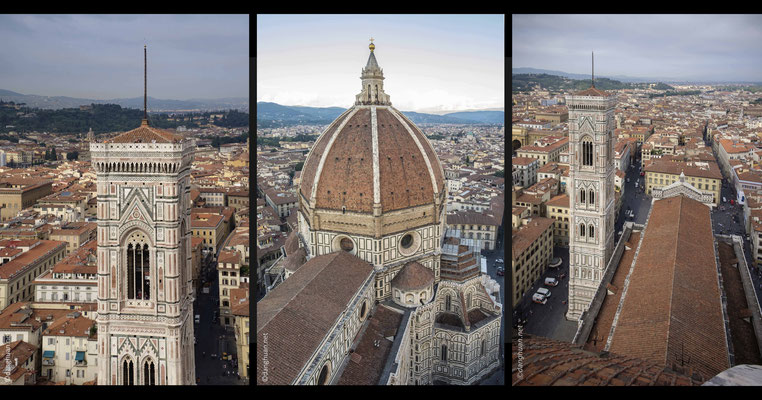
372	154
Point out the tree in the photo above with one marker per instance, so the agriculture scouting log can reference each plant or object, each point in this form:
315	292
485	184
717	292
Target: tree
53	155
72	155
499	174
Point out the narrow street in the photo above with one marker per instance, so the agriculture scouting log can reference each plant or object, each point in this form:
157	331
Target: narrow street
212	339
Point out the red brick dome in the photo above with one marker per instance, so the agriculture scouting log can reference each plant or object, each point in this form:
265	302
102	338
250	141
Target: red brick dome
413	276
371	154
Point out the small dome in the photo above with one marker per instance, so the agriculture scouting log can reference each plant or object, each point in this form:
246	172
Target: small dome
413	276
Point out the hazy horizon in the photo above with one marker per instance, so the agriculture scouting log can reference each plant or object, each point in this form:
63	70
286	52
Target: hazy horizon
671	47
100	57
430	62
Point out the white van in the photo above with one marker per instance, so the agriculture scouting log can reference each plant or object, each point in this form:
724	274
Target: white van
724	200
538	298
543	291
551	282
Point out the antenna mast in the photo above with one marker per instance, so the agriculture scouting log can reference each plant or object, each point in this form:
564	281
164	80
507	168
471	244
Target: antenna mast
145	83
593	55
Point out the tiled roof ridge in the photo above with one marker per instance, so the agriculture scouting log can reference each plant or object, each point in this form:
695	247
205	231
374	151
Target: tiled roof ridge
670	304
618	312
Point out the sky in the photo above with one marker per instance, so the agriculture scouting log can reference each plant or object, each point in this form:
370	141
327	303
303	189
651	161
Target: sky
430	62
680	47
101	56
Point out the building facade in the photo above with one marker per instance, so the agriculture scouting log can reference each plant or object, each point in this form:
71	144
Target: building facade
145	295
591	193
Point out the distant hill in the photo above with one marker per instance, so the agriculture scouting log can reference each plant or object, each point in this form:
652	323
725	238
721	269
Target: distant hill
525	82
486	117
104	118
154	104
270	115
621	78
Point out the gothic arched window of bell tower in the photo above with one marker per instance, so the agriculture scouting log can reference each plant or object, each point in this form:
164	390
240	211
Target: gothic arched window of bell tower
587	151
138	267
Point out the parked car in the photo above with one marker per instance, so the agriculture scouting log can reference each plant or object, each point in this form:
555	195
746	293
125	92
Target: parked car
500	271
551	282
642	173
198	318
538	298
544	292
498	261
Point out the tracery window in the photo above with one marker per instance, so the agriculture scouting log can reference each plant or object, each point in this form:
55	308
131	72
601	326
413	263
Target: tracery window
128	372
582	230
582	195
149	373
587	151
591	231
592	197
138	267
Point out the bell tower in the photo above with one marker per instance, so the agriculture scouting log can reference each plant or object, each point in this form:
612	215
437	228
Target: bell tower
145	296
591	193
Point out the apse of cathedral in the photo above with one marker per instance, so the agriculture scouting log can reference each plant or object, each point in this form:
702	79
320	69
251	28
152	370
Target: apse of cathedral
379	291
145	296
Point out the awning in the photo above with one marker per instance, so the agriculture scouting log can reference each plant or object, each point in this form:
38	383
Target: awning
48	354
80	356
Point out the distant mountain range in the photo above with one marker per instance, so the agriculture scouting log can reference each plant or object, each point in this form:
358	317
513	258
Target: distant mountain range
625	78
274	115
154	104
621	78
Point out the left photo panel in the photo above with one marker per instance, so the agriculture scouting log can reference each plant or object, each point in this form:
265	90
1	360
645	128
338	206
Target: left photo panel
124	199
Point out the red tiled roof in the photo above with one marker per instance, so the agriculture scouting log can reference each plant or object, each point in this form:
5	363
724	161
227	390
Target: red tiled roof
294	318
592	91
548	362
146	134
413	276
673	307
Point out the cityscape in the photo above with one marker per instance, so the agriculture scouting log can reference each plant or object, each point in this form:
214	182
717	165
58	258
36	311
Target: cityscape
636	233
380	200
124	224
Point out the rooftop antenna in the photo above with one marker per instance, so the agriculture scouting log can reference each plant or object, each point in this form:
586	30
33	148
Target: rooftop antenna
145	84
593	54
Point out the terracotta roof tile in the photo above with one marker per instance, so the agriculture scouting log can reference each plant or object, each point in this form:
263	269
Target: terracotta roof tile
413	276
146	134
672	307
548	362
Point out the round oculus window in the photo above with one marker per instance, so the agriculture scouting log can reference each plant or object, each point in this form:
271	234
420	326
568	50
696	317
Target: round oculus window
406	241
346	244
